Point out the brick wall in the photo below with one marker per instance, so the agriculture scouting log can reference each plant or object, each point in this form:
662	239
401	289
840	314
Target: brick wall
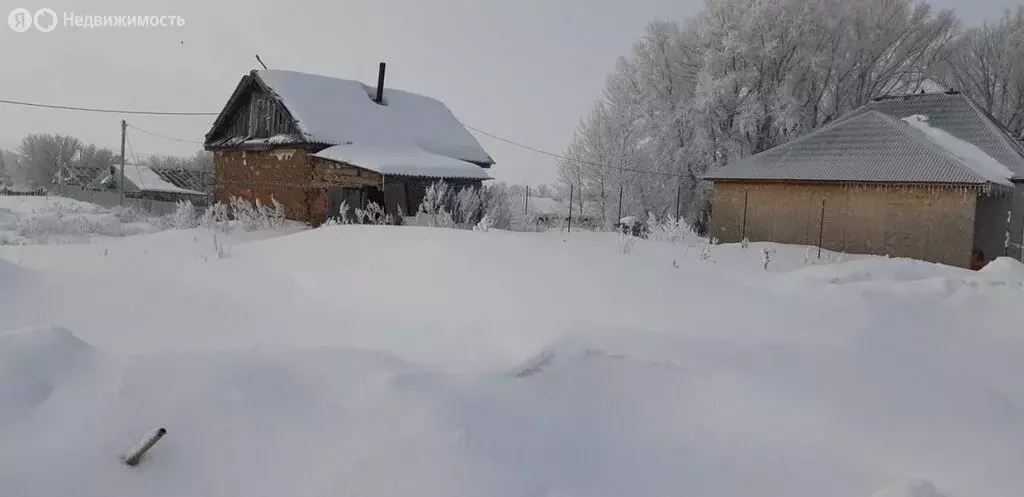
291	176
929	223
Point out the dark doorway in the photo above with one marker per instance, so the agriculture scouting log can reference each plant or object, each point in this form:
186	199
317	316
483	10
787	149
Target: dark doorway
354	198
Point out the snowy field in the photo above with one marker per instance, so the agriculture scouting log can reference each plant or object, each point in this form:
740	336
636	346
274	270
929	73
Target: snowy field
384	361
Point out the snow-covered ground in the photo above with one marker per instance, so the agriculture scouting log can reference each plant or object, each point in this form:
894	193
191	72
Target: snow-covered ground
384	361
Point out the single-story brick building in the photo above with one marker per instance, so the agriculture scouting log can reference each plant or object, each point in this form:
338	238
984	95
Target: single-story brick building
313	142
927	176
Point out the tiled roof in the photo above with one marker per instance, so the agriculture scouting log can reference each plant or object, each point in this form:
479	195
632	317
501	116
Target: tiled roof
869	147
871	144
957	115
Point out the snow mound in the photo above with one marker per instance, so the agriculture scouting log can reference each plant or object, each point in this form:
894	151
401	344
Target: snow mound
31	362
875	270
1005	269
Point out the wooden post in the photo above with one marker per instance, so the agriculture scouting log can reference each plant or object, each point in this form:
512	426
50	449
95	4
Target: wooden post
743	232
569	230
120	183
821	227
526	205
679	191
133	456
619	219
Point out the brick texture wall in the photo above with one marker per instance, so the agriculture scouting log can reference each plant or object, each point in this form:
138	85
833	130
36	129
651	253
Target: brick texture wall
291	176
929	223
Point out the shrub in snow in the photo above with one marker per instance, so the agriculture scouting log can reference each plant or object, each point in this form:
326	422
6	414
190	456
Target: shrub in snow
705	253
745	243
434	206
129	214
469	206
243	213
184	216
626	242
766	257
215	217
499	207
248	216
484	225
671	230
445	207
374	214
343	213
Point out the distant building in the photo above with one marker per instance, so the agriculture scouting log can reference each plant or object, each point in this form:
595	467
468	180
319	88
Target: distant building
928	176
143	182
313	142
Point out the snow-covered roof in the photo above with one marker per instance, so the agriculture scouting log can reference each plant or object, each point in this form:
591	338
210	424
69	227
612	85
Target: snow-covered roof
970	155
141	178
341	111
402	161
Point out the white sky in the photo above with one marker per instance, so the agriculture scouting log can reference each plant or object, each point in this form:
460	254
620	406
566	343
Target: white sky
526	70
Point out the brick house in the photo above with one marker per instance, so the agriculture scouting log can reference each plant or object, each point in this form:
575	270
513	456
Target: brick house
927	176
312	142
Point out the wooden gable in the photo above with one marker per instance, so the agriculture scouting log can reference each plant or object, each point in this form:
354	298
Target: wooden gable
252	114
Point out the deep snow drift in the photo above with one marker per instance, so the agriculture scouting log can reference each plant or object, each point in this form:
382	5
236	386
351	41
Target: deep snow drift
380	361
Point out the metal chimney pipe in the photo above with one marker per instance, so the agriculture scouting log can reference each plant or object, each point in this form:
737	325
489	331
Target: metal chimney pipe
380	84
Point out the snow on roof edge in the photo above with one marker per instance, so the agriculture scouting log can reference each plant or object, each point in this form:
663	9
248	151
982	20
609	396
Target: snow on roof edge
402	161
966	153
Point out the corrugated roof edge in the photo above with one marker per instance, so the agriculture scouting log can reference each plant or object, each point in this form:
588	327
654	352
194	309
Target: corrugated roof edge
990	121
895	124
722	172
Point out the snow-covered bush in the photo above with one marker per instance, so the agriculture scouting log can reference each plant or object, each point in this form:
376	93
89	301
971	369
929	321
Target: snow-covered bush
626	242
215	217
705	253
184	216
499	207
374	214
447	207
484	225
248	216
671	230
435	206
469	206
745	243
766	257
243	213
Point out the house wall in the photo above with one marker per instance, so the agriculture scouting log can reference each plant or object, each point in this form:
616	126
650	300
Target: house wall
934	224
406	193
1017	223
990	224
289	175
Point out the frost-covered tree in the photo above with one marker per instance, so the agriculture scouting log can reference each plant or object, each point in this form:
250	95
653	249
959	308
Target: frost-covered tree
42	156
987	63
741	77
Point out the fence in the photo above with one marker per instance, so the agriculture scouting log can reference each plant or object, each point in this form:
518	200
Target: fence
113	199
19	193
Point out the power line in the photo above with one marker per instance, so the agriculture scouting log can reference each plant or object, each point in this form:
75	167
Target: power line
107	111
563	157
478	130
158	135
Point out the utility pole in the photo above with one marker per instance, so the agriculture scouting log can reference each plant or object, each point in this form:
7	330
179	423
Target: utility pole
120	182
